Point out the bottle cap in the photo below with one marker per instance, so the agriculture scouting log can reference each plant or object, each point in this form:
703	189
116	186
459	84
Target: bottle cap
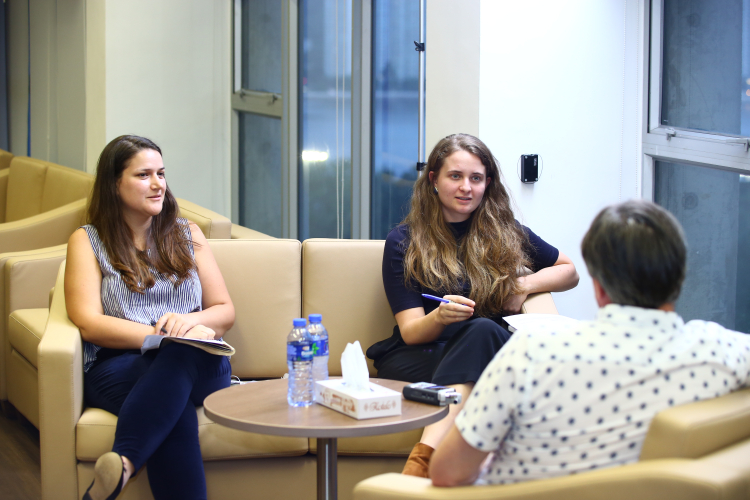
299	322
315	318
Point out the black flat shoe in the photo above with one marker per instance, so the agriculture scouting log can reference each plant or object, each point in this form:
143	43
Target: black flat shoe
108	474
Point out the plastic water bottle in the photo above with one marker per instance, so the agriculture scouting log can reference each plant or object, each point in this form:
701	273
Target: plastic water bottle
319	336
299	357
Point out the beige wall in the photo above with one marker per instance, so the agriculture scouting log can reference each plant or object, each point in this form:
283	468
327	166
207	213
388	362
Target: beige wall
53	30
452	91
102	68
168	77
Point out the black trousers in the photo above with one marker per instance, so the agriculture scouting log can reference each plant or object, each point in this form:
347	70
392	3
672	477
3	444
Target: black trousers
458	356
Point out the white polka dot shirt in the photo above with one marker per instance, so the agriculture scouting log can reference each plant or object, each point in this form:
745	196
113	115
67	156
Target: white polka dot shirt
555	402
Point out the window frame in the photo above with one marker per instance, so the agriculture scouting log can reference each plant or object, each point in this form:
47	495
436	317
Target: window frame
282	106
674	144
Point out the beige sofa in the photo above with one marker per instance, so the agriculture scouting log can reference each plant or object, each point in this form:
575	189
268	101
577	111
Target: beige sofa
41	203
271	281
696	451
26	278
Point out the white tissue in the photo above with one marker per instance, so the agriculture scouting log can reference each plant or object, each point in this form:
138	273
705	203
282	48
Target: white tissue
354	368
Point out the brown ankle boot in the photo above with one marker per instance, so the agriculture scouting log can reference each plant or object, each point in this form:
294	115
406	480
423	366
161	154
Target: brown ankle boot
418	463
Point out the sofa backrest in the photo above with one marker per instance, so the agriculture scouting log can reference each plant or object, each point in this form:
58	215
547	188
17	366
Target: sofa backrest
5	157
342	280
263	278
214	225
698	429
37	186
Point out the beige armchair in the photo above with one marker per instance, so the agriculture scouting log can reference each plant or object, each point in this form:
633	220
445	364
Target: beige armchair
41	203
25	281
695	451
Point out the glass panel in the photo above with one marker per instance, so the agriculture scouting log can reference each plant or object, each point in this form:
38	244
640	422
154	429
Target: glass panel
706	66
325	205
713	207
261	45
395	111
260	173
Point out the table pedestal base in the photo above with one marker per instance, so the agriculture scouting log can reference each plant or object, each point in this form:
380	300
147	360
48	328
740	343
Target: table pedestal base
327	469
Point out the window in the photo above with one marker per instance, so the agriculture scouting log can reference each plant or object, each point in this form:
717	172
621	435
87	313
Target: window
325	89
358	108
696	160
325	119
395	108
257	101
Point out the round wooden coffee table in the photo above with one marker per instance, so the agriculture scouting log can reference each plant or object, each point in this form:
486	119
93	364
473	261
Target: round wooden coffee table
261	407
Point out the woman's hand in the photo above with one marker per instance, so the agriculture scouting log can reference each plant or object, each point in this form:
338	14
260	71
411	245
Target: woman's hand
200	332
175	325
512	304
459	309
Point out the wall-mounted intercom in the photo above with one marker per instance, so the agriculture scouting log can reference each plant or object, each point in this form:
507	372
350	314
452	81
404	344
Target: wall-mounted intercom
529	168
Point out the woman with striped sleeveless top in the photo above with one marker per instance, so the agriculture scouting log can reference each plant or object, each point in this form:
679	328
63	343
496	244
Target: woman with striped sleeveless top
136	269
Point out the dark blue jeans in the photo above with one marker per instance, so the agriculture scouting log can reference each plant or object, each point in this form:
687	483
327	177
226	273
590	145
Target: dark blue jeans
154	397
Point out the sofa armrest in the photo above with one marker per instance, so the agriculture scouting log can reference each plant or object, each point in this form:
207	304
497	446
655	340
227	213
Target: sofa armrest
26	292
539	303
44	230
60	399
649	480
245	233
3	193
29	276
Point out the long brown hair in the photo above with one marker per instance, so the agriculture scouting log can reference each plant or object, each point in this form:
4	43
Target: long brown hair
490	256
168	239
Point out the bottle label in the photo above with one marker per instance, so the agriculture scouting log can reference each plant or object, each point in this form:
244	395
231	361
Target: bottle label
320	347
299	352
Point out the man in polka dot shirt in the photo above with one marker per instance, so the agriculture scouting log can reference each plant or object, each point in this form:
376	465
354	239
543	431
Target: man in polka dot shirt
564	401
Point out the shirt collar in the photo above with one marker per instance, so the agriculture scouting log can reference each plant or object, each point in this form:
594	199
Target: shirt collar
640	317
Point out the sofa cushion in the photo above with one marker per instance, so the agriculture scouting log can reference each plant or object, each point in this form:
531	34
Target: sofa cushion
25	331
36	186
25	188
5	157
95	434
64	185
343	281
263	280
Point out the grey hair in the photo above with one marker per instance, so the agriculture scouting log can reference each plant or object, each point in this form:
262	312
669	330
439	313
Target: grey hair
636	250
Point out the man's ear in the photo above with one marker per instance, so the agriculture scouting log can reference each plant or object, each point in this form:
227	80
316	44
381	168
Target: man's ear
601	295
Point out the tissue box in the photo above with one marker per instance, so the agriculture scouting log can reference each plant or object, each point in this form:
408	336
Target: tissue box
378	402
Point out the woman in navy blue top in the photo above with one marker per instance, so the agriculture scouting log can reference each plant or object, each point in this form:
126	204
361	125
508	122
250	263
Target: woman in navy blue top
460	241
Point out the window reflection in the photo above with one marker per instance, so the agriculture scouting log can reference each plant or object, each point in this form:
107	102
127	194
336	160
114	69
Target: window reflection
395	108
713	207
706	66
325	119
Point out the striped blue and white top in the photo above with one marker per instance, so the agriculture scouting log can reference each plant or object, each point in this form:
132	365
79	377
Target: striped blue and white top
118	301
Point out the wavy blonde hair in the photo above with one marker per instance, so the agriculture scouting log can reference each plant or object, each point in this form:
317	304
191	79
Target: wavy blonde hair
490	256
